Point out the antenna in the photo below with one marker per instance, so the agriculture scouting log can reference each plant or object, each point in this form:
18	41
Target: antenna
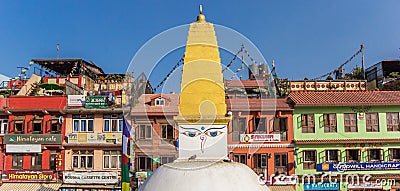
58	51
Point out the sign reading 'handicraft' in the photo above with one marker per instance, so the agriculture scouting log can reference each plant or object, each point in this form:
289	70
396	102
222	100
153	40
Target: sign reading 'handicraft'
340	167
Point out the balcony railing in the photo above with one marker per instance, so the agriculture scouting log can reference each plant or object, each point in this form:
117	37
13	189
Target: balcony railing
281	170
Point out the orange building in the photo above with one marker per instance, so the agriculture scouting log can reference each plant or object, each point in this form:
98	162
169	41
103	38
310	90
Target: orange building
155	131
261	130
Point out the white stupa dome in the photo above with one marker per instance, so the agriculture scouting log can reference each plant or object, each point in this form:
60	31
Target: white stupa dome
203	176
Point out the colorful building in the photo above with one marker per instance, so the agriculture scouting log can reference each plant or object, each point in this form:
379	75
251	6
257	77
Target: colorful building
156	132
346	136
33	145
261	131
93	144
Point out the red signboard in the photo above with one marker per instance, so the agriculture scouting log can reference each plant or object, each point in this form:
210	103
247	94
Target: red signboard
29	176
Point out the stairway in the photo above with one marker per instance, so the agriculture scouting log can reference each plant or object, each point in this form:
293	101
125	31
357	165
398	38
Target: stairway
30	85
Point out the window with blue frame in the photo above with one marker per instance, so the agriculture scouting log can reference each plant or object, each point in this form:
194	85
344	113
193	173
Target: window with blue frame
83	123
113	123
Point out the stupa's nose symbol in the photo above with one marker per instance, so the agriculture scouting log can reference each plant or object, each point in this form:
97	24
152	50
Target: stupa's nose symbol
202	133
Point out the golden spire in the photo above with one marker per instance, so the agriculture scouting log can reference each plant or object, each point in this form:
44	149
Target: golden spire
201	18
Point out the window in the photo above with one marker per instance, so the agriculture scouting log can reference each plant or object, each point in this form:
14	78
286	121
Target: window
167	159
83	123
17	161
37	126
281	162
260	126
145	163
350	122
53	159
19	127
392	120
375	155
3	126
280	127
55	126
260	160
353	155
159	101
112	123
307	123
330	123
394	154
309	159
241	158
167	132
238	127
145	131
36	161
331	155
82	159
372	122
112	159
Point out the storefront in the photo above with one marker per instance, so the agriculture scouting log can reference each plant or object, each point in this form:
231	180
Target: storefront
90	181
29	180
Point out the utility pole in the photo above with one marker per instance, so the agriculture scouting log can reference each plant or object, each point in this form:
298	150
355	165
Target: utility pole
362	60
58	51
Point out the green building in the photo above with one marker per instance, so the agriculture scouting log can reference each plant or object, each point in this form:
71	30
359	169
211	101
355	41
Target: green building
347	140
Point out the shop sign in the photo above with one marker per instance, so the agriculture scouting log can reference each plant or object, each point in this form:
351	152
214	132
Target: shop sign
70	177
29	176
322	186
143	174
33	139
95	138
260	138
76	100
96	102
10	148
340	167
364	185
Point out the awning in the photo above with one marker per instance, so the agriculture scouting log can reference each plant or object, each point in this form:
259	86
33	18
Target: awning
281	188
99	186
30	186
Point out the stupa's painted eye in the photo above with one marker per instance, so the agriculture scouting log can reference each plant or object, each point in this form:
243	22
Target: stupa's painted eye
191	133
213	133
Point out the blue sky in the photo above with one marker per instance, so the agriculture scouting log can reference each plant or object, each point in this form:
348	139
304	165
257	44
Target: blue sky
307	38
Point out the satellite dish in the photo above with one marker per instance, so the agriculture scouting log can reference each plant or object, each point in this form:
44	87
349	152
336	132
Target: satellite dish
61	120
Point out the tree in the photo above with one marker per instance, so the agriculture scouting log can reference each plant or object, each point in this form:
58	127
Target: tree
356	74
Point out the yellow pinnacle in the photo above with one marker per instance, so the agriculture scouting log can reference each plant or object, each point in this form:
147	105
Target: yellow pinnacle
202	90
201	18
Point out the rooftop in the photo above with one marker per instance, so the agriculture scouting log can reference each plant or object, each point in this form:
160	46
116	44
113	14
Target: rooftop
345	98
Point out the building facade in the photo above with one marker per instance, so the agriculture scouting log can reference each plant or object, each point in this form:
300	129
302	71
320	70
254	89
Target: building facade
352	137
93	144
261	133
33	145
156	133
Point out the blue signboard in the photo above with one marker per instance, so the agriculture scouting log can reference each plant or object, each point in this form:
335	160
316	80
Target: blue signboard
322	186
341	167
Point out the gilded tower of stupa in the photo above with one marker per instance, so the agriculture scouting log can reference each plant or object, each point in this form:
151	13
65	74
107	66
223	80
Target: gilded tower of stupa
203	162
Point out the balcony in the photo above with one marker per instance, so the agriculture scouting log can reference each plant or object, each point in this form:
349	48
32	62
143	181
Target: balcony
281	170
259	170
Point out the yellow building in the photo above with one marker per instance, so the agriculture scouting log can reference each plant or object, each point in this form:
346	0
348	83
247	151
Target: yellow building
93	141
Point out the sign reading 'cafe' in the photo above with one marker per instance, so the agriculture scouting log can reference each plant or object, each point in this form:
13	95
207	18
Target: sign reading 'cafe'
33	139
